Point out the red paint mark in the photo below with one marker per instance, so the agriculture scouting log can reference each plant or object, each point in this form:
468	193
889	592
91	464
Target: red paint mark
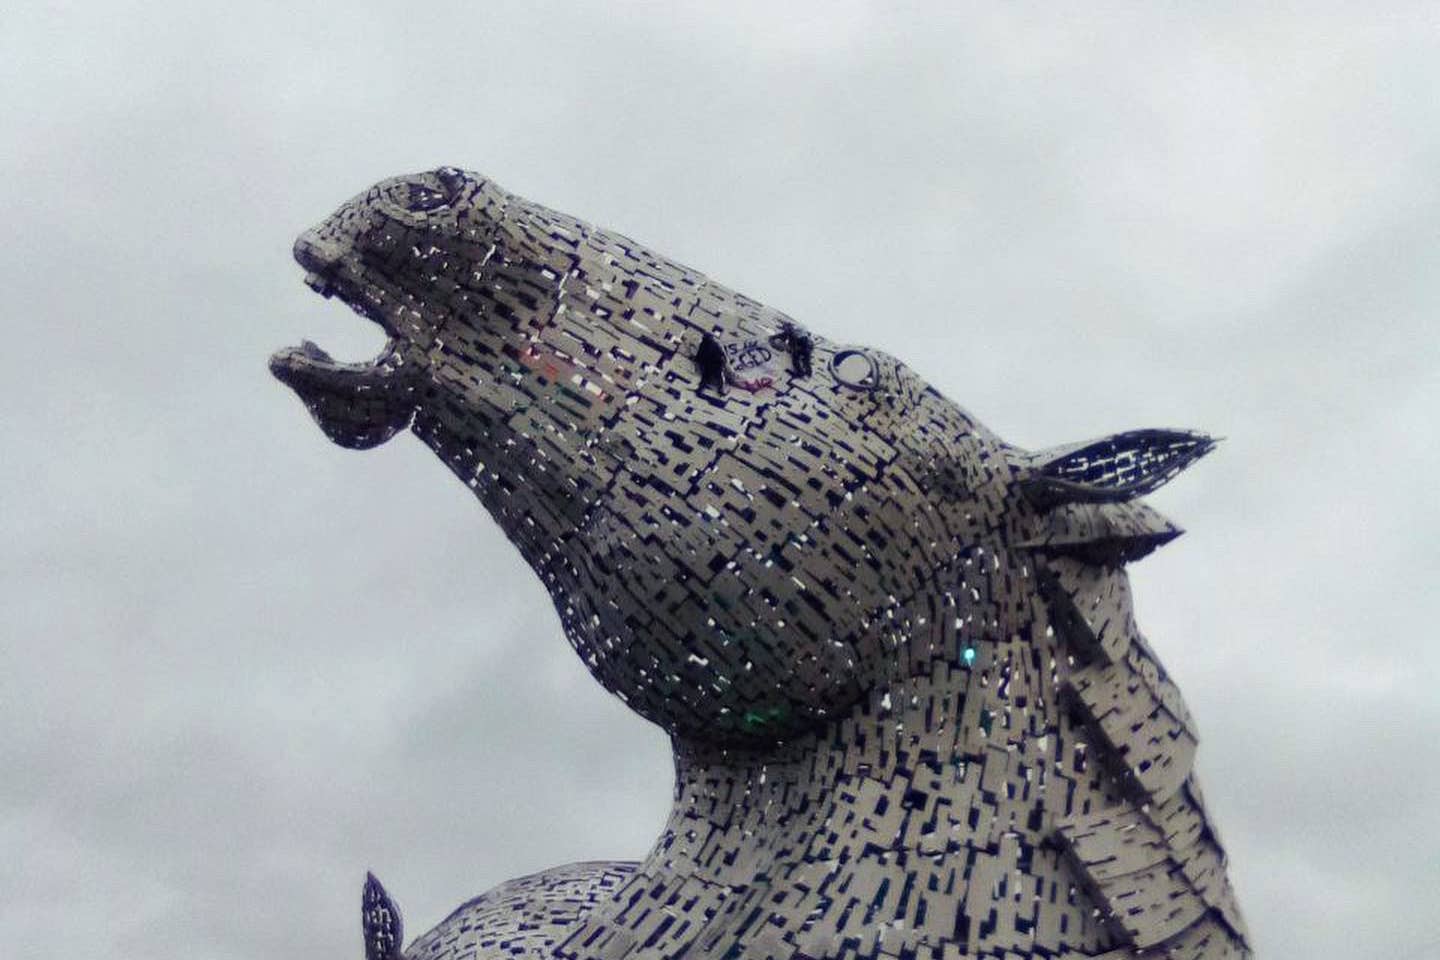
546	364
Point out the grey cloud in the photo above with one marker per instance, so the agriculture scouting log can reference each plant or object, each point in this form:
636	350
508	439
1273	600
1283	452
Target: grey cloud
241	666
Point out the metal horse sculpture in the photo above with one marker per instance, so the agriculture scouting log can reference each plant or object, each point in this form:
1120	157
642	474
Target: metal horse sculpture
911	711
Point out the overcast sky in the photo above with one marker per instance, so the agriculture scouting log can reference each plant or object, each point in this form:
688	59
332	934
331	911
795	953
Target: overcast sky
239	665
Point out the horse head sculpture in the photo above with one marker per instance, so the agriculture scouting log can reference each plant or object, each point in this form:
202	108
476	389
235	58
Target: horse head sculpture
911	711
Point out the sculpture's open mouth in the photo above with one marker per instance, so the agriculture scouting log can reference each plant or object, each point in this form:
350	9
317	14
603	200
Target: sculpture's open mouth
357	404
327	275
309	362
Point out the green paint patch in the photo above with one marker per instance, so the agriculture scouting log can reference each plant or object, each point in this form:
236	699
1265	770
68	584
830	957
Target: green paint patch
760	719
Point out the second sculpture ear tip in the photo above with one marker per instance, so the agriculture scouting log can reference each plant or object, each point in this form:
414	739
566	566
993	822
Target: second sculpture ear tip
380	920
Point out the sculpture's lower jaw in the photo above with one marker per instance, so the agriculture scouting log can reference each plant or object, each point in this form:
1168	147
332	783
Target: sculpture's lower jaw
357	405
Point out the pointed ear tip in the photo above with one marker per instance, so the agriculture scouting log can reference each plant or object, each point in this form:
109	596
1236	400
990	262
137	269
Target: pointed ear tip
1201	440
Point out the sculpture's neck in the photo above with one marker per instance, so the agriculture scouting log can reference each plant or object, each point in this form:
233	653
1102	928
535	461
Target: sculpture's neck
912	820
738	813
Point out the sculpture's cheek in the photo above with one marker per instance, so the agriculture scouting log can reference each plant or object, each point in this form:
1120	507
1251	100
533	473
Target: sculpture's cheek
706	654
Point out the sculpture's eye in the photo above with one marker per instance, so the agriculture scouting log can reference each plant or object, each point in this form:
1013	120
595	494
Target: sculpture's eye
424	197
854	369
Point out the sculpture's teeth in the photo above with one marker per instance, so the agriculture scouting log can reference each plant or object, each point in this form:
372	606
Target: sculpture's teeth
314	352
310	358
320	284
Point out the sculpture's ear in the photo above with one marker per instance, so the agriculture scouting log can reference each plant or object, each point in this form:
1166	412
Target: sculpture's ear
1104	534
380	920
1113	469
